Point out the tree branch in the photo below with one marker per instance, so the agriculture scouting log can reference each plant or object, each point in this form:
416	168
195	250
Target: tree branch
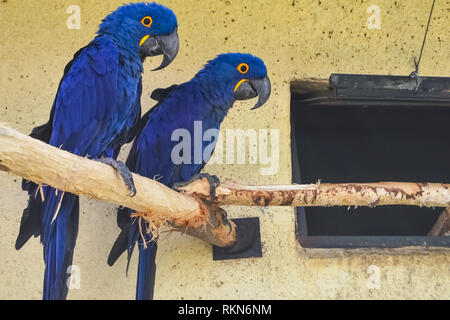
442	226
327	194
192	211
41	163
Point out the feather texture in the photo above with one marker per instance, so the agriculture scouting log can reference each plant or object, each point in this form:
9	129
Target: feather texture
91	116
94	112
191	108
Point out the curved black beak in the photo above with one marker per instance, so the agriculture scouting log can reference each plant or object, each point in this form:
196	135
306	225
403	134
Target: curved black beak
166	45
253	88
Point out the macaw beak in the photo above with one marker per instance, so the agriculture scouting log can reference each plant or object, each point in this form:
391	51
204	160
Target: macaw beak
166	45
249	89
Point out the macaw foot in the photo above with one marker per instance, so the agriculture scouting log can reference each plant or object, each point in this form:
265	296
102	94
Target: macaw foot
123	171
213	181
225	220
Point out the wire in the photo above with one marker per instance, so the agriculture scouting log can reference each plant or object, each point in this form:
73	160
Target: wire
417	63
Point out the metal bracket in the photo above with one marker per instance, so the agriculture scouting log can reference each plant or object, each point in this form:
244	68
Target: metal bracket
248	241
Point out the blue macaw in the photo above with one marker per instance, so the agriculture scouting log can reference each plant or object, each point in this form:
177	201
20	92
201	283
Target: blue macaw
206	98
94	113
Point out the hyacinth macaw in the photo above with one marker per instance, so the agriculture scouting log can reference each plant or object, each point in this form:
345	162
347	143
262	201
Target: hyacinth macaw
94	112
207	98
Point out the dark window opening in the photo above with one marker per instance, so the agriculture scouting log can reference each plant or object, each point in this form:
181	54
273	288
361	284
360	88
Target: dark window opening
370	129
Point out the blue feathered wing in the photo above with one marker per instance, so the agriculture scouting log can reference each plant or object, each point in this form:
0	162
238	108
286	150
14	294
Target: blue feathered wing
82	120
151	156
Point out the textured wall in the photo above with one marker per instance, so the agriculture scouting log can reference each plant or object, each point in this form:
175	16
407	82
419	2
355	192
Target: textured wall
297	39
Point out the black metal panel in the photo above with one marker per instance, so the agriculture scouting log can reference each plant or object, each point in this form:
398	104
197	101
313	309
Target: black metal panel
248	241
346	242
390	87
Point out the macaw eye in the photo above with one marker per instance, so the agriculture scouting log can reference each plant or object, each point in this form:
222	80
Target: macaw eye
243	68
147	21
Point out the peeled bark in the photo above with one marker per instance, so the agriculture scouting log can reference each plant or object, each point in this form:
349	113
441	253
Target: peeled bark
327	194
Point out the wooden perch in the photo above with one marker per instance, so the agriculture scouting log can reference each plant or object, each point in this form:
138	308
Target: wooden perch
442	226
192	211
327	194
43	164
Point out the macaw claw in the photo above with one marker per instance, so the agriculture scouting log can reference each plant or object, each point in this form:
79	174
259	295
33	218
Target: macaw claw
225	220
123	171
213	181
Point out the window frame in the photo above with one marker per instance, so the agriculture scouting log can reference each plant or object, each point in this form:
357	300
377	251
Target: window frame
345	89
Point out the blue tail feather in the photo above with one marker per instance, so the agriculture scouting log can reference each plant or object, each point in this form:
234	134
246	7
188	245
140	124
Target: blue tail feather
146	271
58	238
130	235
31	222
147	256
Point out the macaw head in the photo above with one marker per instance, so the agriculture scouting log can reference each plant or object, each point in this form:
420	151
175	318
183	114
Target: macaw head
238	76
149	29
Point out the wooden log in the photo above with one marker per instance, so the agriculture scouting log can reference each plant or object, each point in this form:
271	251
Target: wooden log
327	194
192	211
442	226
44	164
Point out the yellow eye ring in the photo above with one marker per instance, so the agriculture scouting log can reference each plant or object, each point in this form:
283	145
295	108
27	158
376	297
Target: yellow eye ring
147	21
243	68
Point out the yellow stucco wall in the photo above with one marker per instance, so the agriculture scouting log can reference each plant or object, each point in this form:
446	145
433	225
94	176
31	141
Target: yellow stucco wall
297	39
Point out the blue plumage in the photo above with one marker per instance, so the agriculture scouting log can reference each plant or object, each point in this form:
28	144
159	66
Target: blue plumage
95	109
206	98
